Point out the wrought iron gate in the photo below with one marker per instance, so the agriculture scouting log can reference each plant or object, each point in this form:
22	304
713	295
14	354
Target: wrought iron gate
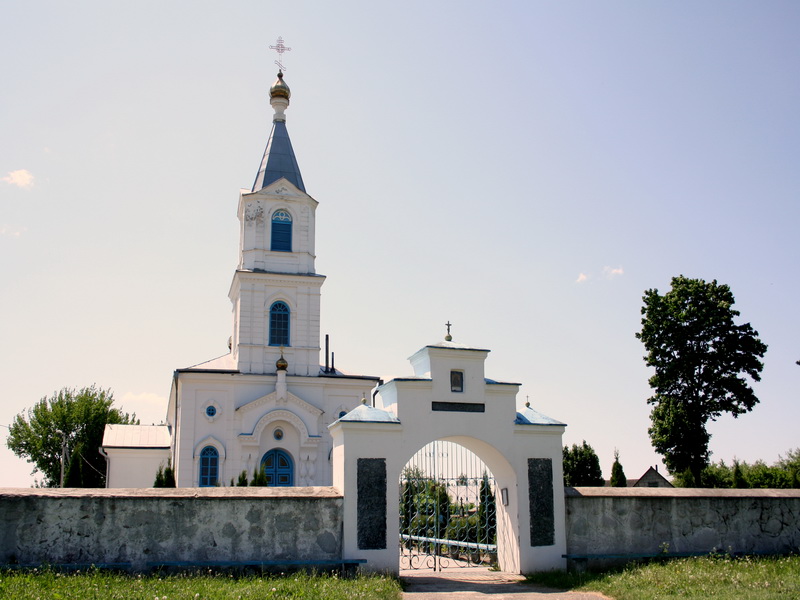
448	509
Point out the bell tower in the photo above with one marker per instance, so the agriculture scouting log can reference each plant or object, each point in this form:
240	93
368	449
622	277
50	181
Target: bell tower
276	291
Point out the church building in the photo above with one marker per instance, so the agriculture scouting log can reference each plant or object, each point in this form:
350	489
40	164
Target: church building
270	407
268	403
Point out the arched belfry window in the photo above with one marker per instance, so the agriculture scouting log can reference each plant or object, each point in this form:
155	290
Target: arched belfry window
279	324
281	240
209	466
278	468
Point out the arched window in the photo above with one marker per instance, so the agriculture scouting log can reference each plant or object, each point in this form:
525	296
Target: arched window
278	468
209	466
281	240
279	324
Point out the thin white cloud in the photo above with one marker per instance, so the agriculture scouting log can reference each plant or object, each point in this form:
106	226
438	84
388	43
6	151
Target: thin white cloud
581	278
22	178
611	272
12	230
150	408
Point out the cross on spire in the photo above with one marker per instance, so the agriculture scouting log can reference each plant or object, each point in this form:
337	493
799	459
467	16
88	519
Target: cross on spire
448	337
280	48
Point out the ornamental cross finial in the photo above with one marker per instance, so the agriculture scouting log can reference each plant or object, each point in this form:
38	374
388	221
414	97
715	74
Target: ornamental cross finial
280	48
448	337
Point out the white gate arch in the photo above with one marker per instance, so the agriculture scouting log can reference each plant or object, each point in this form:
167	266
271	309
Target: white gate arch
449	398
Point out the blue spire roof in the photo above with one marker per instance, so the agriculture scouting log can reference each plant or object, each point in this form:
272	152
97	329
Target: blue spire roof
279	160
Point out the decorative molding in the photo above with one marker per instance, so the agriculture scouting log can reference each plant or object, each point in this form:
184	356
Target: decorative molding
307	442
272	398
254	213
209	440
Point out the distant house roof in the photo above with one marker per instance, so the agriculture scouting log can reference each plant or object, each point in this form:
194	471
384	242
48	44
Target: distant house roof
652	478
136	436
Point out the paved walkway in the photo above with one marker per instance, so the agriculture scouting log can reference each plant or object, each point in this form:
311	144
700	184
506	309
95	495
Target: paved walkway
475	583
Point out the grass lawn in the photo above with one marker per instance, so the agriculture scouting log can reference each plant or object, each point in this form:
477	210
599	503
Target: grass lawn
44	584
718	577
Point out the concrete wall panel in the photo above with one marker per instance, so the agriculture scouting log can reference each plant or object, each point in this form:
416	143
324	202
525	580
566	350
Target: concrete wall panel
650	520
152	526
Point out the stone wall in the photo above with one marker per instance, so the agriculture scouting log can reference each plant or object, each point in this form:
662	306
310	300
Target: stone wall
146	527
629	521
142	527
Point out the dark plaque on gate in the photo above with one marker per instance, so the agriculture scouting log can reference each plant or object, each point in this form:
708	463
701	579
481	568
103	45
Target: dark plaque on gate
540	500
371	504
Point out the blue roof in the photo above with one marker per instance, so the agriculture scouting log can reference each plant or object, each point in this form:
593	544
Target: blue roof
279	160
528	416
369	414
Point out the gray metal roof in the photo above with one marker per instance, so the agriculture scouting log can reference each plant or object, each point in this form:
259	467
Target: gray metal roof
136	436
278	160
528	416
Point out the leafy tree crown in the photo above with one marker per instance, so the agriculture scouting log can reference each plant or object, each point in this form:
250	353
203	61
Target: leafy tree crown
704	363
79	418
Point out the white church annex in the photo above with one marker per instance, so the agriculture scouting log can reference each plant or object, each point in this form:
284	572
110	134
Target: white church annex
268	403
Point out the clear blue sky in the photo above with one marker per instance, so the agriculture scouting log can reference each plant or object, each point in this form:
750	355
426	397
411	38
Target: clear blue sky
524	170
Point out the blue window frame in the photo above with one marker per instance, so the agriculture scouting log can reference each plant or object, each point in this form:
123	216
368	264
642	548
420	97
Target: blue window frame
209	466
278	468
279	324
281	239
211	411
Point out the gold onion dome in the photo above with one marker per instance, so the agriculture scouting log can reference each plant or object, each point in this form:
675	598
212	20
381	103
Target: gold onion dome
279	89
281	364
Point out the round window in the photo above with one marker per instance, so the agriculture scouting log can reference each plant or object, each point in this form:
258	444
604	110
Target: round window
278	434
342	413
211	411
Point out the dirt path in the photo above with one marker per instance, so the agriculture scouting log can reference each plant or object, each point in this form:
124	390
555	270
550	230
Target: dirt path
475	583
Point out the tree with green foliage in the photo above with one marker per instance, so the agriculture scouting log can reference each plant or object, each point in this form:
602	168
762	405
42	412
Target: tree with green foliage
791	464
702	362
738	480
76	418
242	480
618	478
582	467
487	512
413	483
259	478
743	475
165	476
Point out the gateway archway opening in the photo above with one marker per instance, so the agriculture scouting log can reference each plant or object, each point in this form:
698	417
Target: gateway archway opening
450	505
